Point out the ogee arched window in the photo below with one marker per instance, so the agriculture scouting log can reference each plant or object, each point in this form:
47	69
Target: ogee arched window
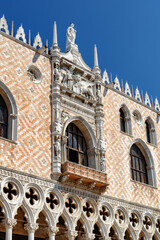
76	145
3	118
138	165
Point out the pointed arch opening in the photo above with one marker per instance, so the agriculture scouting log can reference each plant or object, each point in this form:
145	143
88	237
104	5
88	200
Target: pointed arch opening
97	232
142	164
42	232
19	232
113	233
62	233
80	229
8	114
2	227
125	120
81	143
150	131
127	235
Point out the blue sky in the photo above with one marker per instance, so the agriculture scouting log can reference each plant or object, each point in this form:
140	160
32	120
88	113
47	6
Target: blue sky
127	33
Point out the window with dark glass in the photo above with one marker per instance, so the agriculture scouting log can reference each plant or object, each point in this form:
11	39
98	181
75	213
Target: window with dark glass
138	165
122	120
148	129
3	118
76	145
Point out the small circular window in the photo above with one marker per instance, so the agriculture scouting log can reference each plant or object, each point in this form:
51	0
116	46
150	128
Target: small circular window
34	74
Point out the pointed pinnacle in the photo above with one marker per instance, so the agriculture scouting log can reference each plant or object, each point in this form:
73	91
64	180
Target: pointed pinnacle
55	34
95	58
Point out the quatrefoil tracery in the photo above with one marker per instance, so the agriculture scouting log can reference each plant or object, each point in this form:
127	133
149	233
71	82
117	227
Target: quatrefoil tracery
71	205
120	217
11	191
147	222
134	220
52	200
32	196
104	212
88	209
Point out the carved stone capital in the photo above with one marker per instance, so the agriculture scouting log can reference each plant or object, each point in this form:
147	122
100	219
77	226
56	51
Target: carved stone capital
52	230
88	236
31	227
9	222
71	234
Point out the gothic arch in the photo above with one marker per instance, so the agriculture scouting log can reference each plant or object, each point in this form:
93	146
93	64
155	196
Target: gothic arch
151	136
89	136
12	111
127	119
149	160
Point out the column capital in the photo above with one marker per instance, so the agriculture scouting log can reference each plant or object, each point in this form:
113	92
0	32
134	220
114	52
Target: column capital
88	236
52	230
71	234
9	222
31	227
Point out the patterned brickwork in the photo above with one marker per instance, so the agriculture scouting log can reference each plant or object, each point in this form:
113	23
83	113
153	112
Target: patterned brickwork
118	145
32	153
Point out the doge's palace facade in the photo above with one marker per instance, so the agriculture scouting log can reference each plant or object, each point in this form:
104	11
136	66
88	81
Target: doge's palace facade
79	153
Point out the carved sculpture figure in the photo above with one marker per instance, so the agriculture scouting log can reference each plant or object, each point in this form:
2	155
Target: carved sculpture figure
68	80
57	74
57	148
98	92
71	34
86	88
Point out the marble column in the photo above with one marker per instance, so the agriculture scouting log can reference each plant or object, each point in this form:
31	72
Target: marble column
9	224
52	230
31	228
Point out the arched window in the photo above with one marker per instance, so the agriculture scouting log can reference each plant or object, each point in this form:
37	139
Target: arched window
122	120
3	118
138	165
76	145
125	120
150	131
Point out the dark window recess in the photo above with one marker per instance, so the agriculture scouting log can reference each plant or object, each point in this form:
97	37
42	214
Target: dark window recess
3	118
148	130
122	120
138	165
76	145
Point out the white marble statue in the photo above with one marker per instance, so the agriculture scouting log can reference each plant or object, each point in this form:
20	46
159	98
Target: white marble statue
71	34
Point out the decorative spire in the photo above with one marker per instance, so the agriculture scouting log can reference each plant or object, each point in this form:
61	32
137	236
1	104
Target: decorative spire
12	29
55	44
37	41
105	77
29	38
95	58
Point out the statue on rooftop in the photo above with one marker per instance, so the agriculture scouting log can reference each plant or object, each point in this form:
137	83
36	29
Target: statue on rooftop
71	34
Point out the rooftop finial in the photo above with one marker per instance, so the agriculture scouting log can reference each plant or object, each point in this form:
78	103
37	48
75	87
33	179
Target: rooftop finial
95	58
12	29
29	38
55	44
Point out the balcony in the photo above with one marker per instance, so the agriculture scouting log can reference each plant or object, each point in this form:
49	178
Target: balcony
84	176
